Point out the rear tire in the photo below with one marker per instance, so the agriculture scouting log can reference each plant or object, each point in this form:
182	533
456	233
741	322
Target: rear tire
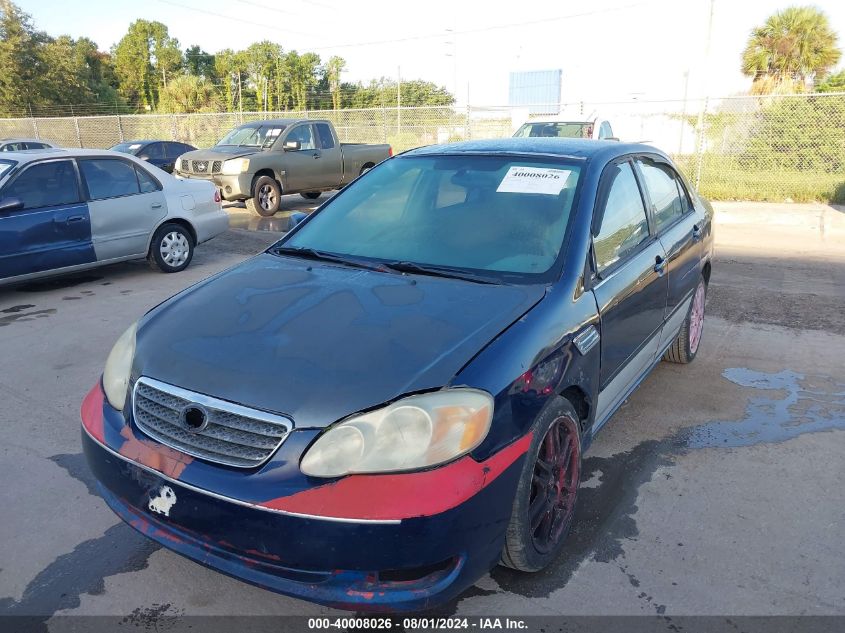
311	195
171	249
544	505
685	347
266	198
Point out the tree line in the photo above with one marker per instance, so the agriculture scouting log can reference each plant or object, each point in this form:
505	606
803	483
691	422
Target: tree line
148	71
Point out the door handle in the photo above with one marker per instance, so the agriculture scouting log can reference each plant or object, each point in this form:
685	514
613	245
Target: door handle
696	233
75	218
155	205
659	265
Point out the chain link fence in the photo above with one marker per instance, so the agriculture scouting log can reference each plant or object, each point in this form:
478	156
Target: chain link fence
789	147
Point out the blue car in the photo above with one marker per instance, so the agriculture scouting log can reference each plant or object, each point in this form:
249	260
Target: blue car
162	154
396	397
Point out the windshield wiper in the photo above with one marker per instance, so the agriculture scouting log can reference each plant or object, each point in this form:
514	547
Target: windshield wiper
313	253
439	271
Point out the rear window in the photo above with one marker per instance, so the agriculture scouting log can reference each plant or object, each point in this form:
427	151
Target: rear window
554	130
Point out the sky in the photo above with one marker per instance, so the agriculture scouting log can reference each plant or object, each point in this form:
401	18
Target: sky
607	49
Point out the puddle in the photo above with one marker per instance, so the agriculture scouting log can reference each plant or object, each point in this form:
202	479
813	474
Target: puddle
253	222
797	404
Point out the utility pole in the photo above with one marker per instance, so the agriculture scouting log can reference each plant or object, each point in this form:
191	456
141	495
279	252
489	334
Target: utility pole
398	99
700	140
240	98
684	114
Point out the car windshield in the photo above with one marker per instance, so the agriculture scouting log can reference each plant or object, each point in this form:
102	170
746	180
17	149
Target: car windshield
555	130
127	148
5	166
252	135
502	216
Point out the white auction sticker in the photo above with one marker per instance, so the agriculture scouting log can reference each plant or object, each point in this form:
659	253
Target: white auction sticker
534	180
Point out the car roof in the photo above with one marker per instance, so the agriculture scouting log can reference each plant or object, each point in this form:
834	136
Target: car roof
24	140
27	156
583	149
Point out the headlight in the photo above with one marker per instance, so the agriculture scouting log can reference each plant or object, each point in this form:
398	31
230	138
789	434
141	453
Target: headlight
235	166
412	433
118	366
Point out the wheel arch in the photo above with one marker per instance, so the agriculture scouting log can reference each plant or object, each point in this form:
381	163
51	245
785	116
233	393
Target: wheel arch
181	222
582	403
705	272
264	172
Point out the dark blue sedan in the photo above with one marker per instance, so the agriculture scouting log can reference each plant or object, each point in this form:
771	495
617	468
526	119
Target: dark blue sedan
396	397
162	154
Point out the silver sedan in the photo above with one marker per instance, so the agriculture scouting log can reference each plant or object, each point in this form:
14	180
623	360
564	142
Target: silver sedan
69	210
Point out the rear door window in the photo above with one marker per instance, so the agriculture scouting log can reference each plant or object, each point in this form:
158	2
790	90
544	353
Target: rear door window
662	185
109	178
47	184
325	134
624	224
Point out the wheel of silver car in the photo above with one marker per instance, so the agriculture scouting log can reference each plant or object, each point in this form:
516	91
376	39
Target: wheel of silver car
544	506
171	249
266	198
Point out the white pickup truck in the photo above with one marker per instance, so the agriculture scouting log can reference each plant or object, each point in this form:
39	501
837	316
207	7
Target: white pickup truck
261	160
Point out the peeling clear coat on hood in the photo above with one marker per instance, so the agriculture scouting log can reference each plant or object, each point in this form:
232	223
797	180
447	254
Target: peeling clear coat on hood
318	342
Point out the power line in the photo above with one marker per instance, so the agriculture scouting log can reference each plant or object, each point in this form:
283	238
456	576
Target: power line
413	38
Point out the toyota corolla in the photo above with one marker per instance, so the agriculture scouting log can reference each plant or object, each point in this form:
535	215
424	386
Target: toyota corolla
396	396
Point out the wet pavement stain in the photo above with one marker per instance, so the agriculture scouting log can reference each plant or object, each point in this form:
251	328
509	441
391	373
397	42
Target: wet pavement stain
604	518
61	584
26	316
77	467
18	308
58	283
156	617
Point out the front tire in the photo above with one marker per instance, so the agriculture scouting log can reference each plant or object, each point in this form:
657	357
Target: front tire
544	506
171	249
685	347
266	197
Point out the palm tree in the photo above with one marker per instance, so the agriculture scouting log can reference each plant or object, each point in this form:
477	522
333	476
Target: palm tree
794	48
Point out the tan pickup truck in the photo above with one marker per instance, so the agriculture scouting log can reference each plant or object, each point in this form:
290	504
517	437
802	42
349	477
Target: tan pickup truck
261	160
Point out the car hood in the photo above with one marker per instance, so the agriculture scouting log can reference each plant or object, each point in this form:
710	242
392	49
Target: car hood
318	342
224	152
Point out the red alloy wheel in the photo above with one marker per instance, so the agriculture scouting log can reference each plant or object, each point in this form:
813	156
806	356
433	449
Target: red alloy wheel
554	485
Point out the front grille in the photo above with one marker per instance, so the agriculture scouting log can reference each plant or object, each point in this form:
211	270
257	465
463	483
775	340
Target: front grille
231	435
200	167
184	166
215	166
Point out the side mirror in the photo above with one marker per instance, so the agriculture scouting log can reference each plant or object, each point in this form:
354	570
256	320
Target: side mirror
295	218
10	204
292	146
